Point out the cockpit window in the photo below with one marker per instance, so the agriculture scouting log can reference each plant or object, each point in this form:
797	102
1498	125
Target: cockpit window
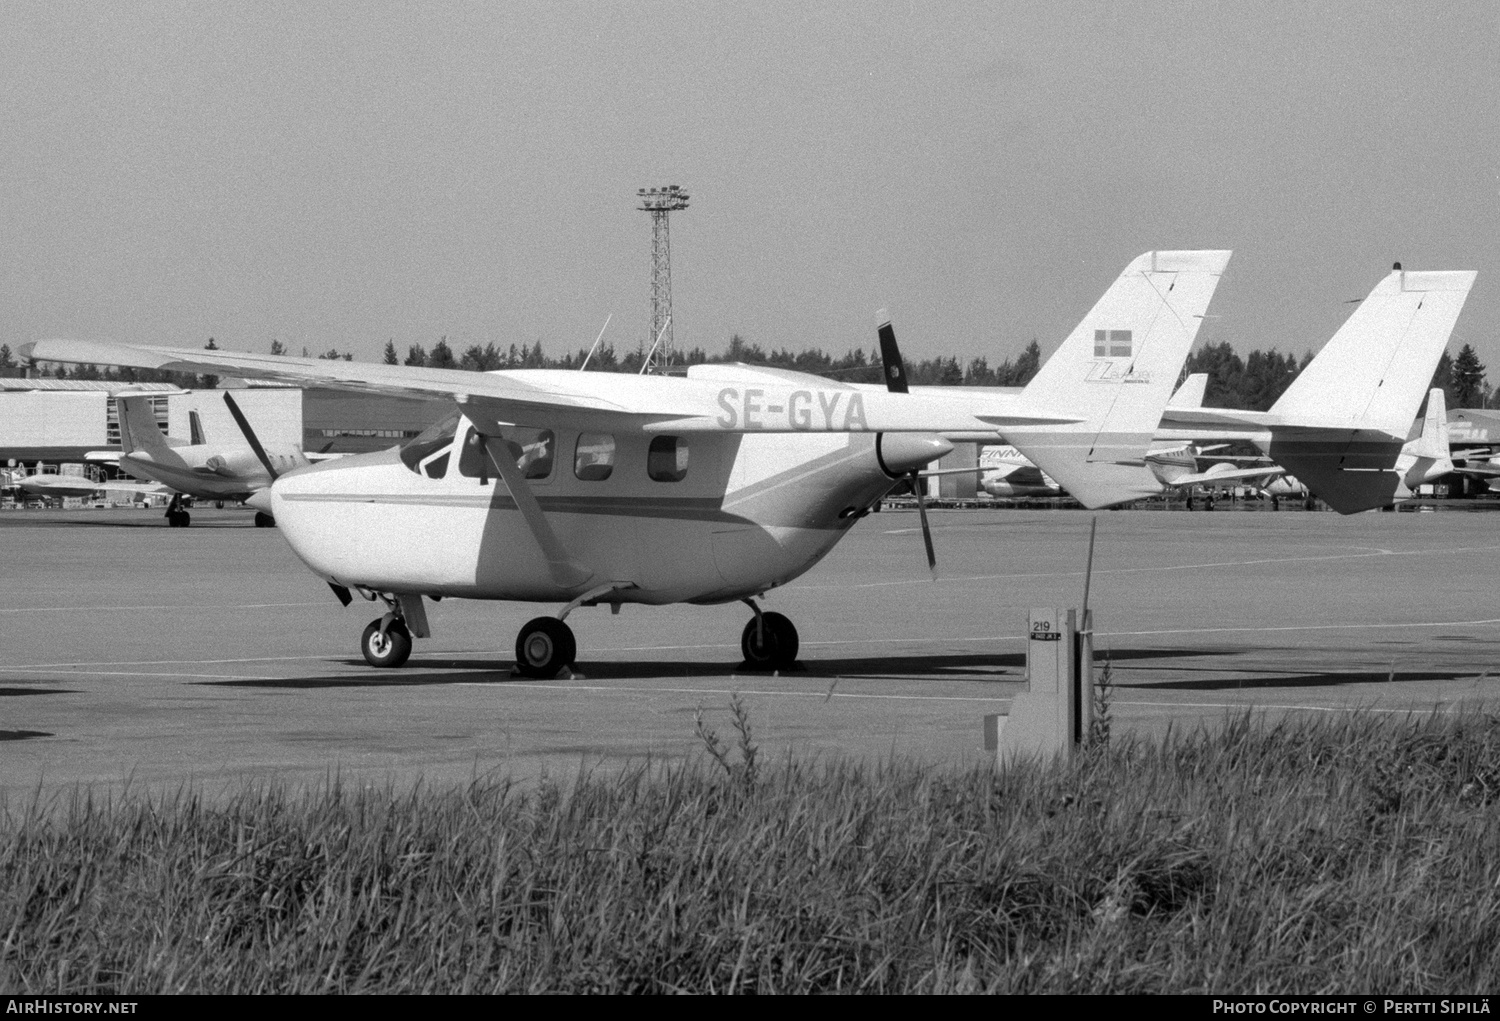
428	442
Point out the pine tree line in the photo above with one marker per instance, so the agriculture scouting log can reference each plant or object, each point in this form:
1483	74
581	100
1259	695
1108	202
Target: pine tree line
1253	382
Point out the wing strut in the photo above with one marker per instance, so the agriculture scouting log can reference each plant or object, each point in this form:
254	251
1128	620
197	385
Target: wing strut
564	570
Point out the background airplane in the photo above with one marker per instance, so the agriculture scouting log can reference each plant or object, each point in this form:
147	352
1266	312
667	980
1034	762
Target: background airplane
203	469
1343	424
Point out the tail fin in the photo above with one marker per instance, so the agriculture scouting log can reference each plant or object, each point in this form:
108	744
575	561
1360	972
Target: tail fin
138	430
1375	370
1431	458
1191	393
1363	389
1116	371
1433	440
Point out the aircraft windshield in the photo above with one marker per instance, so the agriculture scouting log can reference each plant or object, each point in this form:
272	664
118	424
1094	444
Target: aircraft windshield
429	441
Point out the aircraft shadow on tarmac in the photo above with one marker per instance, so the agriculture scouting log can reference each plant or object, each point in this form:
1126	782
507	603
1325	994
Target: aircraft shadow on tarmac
1006	668
1328	679
8	692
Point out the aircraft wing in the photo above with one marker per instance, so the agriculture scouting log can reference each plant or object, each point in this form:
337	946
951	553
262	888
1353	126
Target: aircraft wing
796	403
1481	470
76	485
1270	471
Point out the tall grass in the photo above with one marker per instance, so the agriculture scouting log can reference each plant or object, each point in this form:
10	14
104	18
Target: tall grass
1347	853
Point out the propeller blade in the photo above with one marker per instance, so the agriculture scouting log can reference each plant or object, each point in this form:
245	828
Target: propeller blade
917	487
890	355
244	424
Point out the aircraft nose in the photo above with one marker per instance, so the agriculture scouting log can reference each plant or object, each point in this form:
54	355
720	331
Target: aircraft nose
902	453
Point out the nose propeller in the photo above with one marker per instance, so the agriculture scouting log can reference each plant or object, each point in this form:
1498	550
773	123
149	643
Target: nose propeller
894	371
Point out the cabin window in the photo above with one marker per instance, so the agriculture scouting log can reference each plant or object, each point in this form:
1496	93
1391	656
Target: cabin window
594	456
537	447
436	467
531	448
667	460
428	442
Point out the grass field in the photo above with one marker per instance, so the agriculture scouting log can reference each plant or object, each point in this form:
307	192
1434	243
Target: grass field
1346	853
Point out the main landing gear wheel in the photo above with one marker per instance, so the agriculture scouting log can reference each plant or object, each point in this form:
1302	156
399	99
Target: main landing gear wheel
775	648
545	646
389	649
264	520
178	519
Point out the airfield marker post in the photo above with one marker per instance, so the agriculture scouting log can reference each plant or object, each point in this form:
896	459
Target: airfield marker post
1043	719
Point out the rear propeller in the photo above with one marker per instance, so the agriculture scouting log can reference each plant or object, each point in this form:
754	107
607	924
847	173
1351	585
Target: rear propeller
894	371
244	424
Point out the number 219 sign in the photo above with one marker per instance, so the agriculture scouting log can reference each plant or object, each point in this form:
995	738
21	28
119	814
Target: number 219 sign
1045	631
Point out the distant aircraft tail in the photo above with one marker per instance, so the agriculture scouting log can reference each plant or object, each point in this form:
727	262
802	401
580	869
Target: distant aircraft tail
1191	393
138	429
1361	393
1116	372
1429	450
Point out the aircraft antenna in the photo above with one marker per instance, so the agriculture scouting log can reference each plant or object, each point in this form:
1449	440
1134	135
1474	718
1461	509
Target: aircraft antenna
647	363
596	342
661	203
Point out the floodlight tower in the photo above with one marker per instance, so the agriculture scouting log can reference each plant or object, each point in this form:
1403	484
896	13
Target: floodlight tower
661	203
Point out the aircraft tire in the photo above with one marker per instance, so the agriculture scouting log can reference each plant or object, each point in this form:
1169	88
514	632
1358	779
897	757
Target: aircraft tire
264	520
779	648
178	519
385	650
544	646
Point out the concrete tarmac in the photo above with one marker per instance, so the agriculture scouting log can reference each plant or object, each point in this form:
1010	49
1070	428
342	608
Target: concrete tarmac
130	652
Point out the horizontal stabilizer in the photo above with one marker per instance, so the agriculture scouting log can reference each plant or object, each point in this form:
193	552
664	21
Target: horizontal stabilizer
1349	492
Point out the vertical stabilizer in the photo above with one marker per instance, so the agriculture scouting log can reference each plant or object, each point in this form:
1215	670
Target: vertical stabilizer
138	429
1345	418
1191	393
1433	440
1116	371
1375	370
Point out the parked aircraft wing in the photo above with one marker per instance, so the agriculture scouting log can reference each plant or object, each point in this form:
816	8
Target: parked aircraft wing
1229	475
793	403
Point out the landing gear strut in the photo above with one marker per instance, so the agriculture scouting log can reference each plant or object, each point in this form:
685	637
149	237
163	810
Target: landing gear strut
769	640
544	646
176	516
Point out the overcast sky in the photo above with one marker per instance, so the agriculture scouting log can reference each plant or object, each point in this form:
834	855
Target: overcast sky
339	174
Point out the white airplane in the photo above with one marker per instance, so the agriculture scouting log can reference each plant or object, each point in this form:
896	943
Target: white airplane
201	469
1009	473
587	488
77	483
1341	427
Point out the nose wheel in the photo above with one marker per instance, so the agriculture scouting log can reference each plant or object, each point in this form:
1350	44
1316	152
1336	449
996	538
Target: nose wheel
264	520
388	648
544	646
769	642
